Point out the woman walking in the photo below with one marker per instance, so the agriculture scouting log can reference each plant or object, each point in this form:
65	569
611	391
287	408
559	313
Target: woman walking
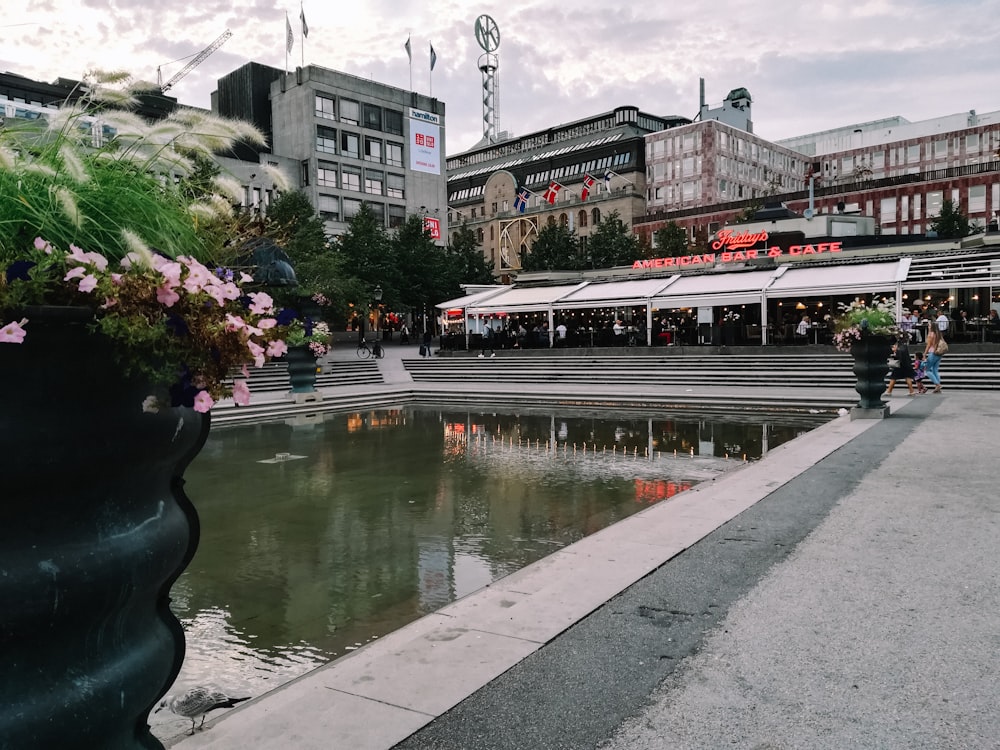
935	347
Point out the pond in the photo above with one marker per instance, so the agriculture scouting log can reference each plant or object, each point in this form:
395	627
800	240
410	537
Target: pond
321	533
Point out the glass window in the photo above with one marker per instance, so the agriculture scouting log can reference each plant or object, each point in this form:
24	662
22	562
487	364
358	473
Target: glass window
350	144
888	209
329	207
379	210
912	154
351	208
350	112
325	107
374	182
395	186
940	148
977	199
326	174
394	154
393	122
972	142
933	204
397	216
351	180
373	149
373	116
326	140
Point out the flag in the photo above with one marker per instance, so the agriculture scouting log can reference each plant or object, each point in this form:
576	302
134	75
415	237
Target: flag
434	57
305	26
289	39
521	200
588	183
552	192
406	46
607	180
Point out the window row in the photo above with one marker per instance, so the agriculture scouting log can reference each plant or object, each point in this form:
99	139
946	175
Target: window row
369	116
337	208
346	177
350	144
595	167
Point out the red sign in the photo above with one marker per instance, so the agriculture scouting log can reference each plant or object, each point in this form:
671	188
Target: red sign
738	256
727	238
432	227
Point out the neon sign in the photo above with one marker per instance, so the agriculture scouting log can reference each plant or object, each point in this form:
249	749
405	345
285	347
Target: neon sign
737	256
727	238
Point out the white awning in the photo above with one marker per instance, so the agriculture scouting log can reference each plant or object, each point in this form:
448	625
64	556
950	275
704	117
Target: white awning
854	278
714	289
460	303
614	293
526	299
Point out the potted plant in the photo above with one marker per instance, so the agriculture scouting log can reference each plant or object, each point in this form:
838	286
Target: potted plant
118	331
307	340
867	332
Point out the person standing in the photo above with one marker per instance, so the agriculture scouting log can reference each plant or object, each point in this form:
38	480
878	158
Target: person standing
487	342
903	367
932	356
943	321
425	349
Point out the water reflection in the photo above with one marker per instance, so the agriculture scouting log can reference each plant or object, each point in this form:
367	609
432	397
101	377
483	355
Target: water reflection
367	521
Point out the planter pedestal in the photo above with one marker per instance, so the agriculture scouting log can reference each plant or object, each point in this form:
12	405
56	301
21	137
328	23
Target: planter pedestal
94	529
870	366
302	374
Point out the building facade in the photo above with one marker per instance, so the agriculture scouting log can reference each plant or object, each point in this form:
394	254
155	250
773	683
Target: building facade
353	140
574	174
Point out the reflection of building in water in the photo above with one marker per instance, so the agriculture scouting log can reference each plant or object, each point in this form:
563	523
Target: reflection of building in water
651	491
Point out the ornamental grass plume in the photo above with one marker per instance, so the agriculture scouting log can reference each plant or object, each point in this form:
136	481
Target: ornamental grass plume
858	319
102	210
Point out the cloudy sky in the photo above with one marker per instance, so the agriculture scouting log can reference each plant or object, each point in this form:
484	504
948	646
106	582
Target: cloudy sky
808	66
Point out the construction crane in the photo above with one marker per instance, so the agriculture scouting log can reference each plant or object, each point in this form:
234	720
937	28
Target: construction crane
195	62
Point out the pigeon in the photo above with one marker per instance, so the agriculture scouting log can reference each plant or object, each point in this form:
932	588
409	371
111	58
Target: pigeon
198	701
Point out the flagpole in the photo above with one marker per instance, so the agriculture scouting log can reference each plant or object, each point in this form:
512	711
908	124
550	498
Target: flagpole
287	27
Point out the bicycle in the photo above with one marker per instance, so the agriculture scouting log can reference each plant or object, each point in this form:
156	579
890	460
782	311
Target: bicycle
365	351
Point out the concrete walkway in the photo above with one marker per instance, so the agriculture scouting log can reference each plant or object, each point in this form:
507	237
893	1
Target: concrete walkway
840	592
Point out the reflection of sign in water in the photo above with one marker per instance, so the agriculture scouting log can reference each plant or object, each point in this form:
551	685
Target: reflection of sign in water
653	490
425	147
432	227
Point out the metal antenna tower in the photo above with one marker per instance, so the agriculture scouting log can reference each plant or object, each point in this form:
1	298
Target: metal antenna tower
488	36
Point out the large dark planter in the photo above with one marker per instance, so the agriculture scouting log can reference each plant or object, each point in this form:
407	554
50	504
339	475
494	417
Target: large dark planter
94	529
871	356
301	369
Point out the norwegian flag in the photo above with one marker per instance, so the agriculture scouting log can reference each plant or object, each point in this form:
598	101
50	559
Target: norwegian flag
588	183
521	200
552	192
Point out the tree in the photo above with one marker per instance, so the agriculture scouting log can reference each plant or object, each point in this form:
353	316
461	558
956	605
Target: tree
612	244
465	257
671	241
555	249
424	272
951	223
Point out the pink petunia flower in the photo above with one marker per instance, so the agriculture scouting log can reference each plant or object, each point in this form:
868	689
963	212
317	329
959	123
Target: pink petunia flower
265	323
234	322
166	296
245	278
258	353
13	333
41	244
203	402
277	348
88	283
262	303
77	254
241	393
75	273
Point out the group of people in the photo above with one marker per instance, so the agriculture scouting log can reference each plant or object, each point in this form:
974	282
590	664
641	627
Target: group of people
923	365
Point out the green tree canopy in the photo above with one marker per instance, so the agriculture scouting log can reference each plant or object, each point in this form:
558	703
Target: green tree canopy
671	240
951	223
471	266
613	244
555	249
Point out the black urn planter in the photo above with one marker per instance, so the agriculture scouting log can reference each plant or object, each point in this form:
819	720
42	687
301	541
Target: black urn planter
94	529
871	354
301	369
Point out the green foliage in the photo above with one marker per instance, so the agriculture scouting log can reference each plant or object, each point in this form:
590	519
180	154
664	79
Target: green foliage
951	223
671	240
471	266
748	213
613	244
555	249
